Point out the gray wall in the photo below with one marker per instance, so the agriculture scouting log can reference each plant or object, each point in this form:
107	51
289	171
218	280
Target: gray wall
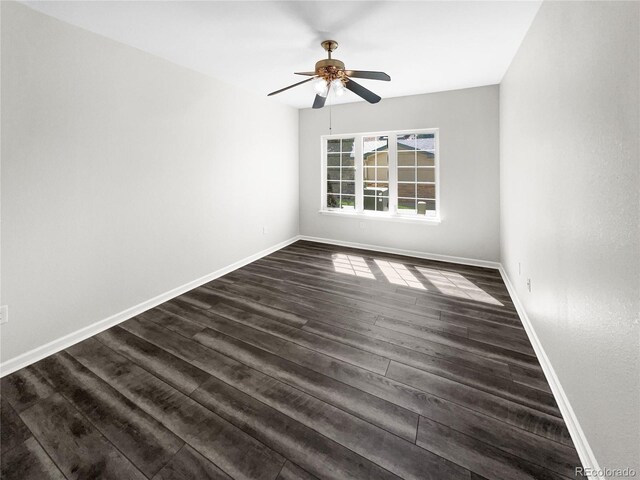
124	176
469	166
570	209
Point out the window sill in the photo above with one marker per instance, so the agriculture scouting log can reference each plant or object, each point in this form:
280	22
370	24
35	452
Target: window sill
386	217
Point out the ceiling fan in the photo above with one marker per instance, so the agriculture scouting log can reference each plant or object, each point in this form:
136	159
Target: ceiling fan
330	73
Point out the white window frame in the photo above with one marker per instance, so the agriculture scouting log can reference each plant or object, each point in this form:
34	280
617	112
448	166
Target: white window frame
393	213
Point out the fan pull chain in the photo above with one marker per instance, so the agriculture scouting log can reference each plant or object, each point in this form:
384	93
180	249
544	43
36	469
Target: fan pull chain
329	93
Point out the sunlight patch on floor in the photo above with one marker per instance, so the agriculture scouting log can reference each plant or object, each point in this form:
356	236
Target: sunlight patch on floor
398	274
351	265
456	285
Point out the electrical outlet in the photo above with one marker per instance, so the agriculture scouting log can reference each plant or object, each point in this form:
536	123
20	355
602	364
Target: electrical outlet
265	230
529	284
4	314
363	225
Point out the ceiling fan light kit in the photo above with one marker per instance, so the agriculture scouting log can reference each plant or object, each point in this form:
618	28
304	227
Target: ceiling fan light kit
330	74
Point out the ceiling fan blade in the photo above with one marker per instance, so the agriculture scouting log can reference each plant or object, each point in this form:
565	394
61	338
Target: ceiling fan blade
368	75
290	86
309	74
319	101
365	93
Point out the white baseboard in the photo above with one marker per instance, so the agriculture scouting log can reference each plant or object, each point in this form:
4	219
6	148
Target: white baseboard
585	453
72	338
409	253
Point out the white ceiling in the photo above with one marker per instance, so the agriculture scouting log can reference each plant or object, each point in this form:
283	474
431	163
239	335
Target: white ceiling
424	46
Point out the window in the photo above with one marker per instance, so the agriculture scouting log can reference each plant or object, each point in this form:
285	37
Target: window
341	184
386	174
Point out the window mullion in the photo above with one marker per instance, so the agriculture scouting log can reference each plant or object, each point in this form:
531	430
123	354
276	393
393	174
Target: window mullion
323	190
359	162
393	173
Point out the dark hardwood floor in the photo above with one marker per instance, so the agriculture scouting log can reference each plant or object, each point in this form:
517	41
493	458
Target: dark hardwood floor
314	362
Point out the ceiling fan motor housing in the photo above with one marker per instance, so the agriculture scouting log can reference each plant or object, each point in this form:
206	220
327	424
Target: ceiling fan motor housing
330	69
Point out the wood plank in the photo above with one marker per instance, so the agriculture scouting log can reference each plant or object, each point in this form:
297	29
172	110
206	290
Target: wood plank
464	315
171	322
320	293
267	297
203	298
532	377
317	454
482	349
188	464
236	453
427	347
28	461
478	456
319	280
480	272
514	413
252	296
489	327
341	351
520	345
532	445
25	387
139	436
426	296
400	393
382	448
291	471
176	372
13	431
76	447
312	298
497	290
488	383
349	297
433	292
222	351
466	290
511	397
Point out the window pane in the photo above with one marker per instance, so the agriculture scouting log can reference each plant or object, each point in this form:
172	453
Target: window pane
406	174
347	201
369	174
371	145
369	203
407	142
333	201
382	174
382	159
369	160
333	187
406	204
431	204
347	145
348	173
426	159
426	175
333	160
406	190
347	160
333	174
349	188
426	191
406	159
333	146
382	143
